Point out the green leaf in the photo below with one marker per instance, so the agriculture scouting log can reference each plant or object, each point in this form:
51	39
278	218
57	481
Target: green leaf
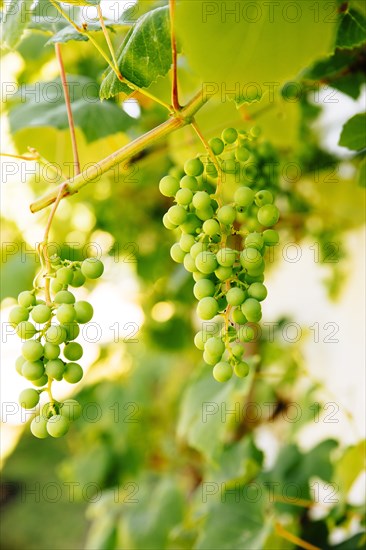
80	2
14	21
353	134
66	34
349	467
357	541
329	66
144	55
352	30
362	173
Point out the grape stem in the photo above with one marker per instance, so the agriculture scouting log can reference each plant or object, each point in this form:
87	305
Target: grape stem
175	97
107	37
282	532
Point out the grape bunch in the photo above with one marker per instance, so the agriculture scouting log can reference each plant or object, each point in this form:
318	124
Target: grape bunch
223	240
46	326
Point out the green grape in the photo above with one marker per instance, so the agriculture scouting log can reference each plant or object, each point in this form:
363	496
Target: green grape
197	276
168	186
197	248
186	242
210	359
78	279
206	262
38	427
64	297
237	350
177	214
26	330
56	286
235	296
238	317
92	268
201	200
256	270
66	313
72	330
58	425
226	257
189	263
71	409
268	215
17	315
56	334
217	145
41	381
184	197
211	228
55	369
193	167
244	196
252	310
226	215
222	371
205	214
64	275
32	350
210	169
26	299
191	224
241	369
28	399
254	240
167	223
73	373
203	288
189	182
242	154
257	291
246	333
263	197
199	340
255	131
223	273
84	312
19	364
251	258
177	254
51	351
207	308
215	346
73	351
229	135
33	370
271	237
230	166
41	314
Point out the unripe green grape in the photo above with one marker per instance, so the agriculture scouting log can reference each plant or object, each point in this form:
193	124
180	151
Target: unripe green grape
29	398
41	314
184	197
237	350
193	167
268	215
199	340
201	200
72	330
56	334
210	359
71	409
217	145
203	288
222	303
229	135
241	369
40	382
191	224
235	296
189	182
73	351
206	262
224	273
33	370
205	214
238	317
92	268
64	275
252	310
26	330
78	279
226	215
226	257
19	364
64	297
17	315
207	308
271	237
167	223
51	351
254	240
168	186
215	346
211	228
257	279
255	131
242	154
84	311
197	248
197	276
263	197
230	166
58	425
66	313
210	170
56	286
55	369
40	302
177	254
176	172
257	291
26	299
189	263
250	258
50	409
177	214
73	373
32	350
256	270
222	371
38	427
246	333
186	242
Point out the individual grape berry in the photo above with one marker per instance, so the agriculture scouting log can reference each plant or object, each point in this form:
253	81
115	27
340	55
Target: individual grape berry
40	382
271	237
210	359
78	279
191	224
197	248
222	371
206	262
177	254
237	350
268	215
177	214
56	286
238	317
84	312
189	263
186	242
17	315
66	313
199	340
167	223
51	351
92	268
26	299
26	330
58	425
250	258
235	296
41	314
217	145
230	166
263	197
32	350
203	288
241	369
257	291
205	214
244	196
254	240
184	197
71	409
207	308
38	427
247	333
224	273
215	346
33	370
255	131
19	364
226	215
64	275
252	310
72	330
168	186
73	373
211	228
242	154
64	297
73	351
201	200
56	334
55	369
189	182
226	257
229	135
193	167
255	270
28	399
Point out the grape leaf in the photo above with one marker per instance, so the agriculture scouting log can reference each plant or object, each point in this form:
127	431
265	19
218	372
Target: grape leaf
352	30
349	467
14	21
144	55
80	2
66	34
362	173
353	134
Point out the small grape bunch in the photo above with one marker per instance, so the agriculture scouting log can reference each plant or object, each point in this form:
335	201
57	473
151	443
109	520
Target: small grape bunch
223	242
49	327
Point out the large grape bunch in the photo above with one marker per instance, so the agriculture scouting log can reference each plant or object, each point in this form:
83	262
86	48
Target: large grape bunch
223	241
47	330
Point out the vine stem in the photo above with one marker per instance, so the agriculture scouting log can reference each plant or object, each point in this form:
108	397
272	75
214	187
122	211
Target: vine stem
175	94
282	532
94	172
20	157
106	36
